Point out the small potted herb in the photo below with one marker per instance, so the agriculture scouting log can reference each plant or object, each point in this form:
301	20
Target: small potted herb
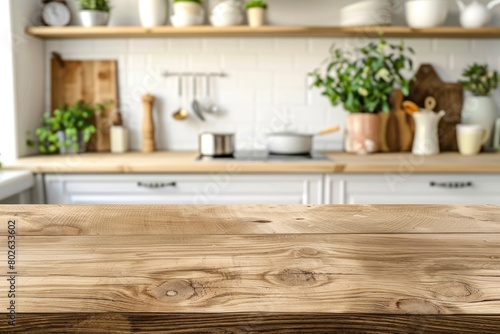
479	107
94	12
67	130
256	12
362	81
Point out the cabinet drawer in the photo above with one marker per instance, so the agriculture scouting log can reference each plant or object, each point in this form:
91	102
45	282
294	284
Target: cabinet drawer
184	189
413	189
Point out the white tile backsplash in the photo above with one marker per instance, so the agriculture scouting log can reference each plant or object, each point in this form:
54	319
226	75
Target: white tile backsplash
266	88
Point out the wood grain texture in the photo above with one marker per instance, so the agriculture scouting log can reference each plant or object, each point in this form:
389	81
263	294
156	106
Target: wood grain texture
367	274
185	162
90	81
239	323
75	220
265	31
239	269
449	97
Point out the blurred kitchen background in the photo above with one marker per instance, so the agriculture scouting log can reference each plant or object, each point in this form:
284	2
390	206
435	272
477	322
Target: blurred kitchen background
266	87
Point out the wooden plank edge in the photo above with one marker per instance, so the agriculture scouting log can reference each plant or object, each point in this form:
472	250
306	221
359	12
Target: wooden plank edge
249	323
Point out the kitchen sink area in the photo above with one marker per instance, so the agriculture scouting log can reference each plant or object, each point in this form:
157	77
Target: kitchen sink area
250	166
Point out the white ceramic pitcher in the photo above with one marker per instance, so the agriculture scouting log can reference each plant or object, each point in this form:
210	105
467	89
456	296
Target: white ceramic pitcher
476	14
426	141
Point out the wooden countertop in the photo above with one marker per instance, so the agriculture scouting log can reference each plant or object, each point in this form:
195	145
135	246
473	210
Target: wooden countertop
255	268
185	162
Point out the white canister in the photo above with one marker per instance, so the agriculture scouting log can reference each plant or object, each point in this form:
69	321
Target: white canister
119	139
153	13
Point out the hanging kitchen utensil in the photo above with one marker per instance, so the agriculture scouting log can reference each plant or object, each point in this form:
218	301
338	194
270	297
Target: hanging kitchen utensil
292	143
210	106
181	114
196	104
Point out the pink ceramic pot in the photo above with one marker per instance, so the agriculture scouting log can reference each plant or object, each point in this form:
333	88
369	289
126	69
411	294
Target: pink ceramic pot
362	133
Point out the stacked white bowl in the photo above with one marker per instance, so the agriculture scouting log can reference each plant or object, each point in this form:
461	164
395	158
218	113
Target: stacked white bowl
367	13
426	13
227	13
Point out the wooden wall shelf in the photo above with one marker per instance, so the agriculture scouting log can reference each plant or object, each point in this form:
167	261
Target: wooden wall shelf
266	31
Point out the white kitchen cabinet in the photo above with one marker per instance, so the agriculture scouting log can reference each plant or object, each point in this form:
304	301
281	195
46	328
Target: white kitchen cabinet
412	189
184	189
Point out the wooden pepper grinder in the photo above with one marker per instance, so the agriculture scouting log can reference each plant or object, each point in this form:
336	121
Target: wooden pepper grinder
148	128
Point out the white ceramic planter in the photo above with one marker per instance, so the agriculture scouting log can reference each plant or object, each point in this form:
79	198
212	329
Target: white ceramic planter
153	13
256	17
188	8
481	110
94	18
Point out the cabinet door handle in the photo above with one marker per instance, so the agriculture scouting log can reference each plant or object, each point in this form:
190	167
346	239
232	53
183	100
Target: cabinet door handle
156	185
452	185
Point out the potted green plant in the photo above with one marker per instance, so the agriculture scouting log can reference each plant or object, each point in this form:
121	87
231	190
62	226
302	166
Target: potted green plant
256	12
67	130
187	13
94	12
479	107
363	81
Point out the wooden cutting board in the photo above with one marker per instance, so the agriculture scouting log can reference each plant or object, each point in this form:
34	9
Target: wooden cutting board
449	97
397	127
90	81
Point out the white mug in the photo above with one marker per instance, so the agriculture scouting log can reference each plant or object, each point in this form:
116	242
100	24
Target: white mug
471	138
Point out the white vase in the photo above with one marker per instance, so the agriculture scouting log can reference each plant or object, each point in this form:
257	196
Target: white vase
94	18
153	13
481	110
256	16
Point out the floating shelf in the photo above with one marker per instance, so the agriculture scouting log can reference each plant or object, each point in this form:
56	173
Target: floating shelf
266	31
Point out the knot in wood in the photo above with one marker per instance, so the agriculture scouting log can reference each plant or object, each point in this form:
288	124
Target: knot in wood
457	291
307	252
173	291
297	277
417	306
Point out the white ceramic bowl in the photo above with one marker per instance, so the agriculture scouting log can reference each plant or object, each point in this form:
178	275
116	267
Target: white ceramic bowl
226	20
186	20
426	13
368	5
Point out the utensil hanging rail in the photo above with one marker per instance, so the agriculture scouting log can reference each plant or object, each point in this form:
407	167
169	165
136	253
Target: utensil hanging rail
194	74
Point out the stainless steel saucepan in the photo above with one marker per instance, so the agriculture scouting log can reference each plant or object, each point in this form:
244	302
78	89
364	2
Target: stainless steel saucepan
216	144
291	143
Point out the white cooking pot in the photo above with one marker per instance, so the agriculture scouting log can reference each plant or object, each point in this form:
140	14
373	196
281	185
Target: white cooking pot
291	143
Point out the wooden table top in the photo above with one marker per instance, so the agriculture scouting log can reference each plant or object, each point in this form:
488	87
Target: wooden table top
254	269
185	162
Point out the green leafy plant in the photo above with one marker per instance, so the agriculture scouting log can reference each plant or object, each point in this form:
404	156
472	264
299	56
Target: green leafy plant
256	4
100	5
479	80
74	122
364	80
197	1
